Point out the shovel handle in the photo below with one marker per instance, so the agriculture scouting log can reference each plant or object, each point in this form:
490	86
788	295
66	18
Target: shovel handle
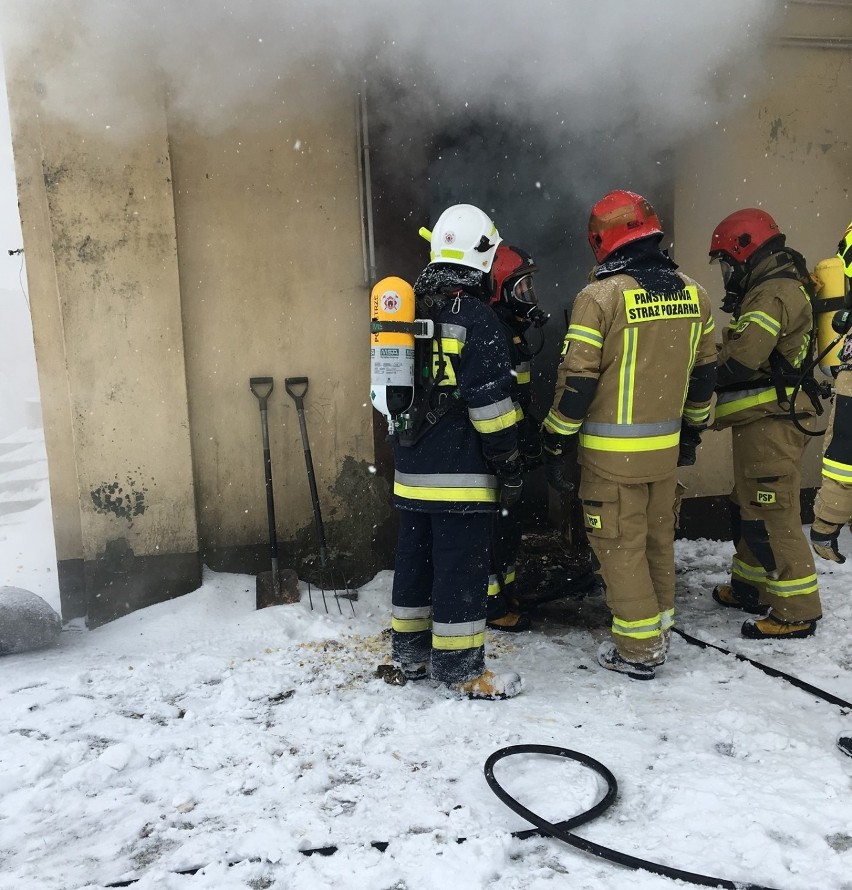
297	388
258	387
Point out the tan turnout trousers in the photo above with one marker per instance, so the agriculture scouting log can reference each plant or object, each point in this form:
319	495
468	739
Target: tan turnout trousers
631	529
773	558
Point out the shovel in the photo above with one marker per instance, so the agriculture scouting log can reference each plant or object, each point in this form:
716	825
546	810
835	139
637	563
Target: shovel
278	586
329	577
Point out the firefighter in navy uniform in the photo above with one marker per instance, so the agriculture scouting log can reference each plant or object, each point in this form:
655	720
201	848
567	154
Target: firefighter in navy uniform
455	467
514	301
763	349
633	395
833	507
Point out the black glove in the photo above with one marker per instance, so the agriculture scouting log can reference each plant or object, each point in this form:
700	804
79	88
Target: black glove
825	542
555	449
529	442
690	439
511	490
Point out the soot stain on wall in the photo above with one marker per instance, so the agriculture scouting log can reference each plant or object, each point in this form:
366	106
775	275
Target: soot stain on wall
125	500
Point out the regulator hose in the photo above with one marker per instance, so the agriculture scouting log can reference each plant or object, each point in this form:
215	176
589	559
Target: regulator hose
802	377
561	830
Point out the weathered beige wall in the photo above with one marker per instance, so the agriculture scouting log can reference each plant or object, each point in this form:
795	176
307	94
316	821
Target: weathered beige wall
98	223
790	153
272	284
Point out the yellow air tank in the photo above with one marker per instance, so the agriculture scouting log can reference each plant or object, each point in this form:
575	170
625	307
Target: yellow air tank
392	347
829	300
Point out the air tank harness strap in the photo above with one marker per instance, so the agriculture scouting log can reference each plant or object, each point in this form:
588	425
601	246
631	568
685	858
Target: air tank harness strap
420	328
784	374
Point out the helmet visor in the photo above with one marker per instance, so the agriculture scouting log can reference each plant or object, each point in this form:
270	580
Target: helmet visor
523	291
727	267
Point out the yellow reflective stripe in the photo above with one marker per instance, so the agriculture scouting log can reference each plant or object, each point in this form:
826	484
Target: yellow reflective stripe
697	415
627	376
583	334
833	469
523	376
473	641
694	340
667	619
494	424
746	572
427	493
447	253
724	407
794	587
710	325
640	443
638	630
563	427
411	625
494	586
761	319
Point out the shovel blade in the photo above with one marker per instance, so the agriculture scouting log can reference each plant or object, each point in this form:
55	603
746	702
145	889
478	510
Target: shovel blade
287	593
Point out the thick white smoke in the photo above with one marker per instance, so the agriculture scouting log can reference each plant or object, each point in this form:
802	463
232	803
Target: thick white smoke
664	65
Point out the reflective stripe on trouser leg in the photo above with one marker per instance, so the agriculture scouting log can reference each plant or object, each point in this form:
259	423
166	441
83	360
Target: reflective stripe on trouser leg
748	577
767	479
621	547
460	548
505	544
411	596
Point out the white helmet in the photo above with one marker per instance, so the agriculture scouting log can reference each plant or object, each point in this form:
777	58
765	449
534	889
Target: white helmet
463	235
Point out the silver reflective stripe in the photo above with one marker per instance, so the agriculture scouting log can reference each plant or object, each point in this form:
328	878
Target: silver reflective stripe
407	613
465	629
724	397
495	409
446	480
523	368
454	332
631	430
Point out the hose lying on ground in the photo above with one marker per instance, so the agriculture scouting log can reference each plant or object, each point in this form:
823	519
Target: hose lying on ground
562	830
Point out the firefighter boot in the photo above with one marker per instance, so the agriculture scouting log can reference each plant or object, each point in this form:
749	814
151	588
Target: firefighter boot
844	742
770	628
511	622
490	686
725	596
609	658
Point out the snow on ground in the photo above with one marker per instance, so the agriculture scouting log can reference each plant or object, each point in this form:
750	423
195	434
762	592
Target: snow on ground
203	733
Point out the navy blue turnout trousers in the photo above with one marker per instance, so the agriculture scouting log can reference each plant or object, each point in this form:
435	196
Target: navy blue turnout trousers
439	593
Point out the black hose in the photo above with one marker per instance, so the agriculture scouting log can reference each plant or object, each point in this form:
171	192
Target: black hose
560	830
771	671
795	394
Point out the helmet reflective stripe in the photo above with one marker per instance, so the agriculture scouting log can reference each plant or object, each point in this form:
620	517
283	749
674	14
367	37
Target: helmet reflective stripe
466	236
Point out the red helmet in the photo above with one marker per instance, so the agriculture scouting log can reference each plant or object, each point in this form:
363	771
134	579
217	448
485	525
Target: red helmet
511	266
619	218
739	235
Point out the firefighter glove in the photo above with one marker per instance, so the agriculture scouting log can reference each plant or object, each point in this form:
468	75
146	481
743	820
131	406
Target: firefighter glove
511	490
824	540
555	448
690	439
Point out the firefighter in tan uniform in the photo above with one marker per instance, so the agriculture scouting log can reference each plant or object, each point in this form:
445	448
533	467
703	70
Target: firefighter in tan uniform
763	349
633	394
833	507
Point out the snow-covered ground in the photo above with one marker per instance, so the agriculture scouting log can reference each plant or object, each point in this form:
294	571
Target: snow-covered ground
203	733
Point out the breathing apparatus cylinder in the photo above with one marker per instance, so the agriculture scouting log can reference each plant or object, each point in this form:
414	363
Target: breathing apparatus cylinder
392	351
830	299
